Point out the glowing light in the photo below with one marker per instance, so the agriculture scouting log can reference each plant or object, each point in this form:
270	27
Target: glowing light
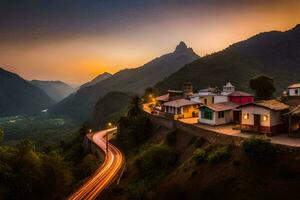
265	118
246	116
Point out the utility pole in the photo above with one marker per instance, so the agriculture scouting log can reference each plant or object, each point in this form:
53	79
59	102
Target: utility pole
107	143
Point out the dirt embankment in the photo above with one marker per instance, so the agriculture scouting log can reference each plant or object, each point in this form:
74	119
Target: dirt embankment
235	176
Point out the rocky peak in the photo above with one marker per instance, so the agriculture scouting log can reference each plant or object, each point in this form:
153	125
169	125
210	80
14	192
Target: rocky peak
181	47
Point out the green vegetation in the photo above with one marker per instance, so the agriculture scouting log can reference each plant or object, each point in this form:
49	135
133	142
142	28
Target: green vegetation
171	138
134	129
275	54
154	160
149	94
110	108
53	173
259	149
199	155
263	87
43	130
219	154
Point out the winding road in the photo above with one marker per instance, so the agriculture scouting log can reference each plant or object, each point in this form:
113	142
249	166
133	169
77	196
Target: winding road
108	171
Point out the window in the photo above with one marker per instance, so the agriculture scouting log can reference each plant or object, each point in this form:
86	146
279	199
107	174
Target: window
207	114
205	101
246	116
296	91
221	114
213	99
178	110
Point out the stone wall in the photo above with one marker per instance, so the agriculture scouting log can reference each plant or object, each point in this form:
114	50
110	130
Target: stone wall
212	137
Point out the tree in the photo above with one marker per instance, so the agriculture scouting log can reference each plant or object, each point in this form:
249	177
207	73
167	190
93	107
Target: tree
134	109
263	87
1	135
149	94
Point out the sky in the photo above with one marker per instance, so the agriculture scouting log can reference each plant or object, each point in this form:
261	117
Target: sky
75	40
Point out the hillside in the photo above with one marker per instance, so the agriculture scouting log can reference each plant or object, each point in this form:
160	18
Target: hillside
81	104
276	54
97	79
174	164
57	90
110	108
17	96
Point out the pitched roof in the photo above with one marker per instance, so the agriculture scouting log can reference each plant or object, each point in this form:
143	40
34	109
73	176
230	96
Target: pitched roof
228	85
296	85
163	97
221	106
240	94
270	104
295	111
179	103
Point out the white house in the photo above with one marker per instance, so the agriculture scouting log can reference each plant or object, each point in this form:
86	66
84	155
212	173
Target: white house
217	113
228	88
294	90
263	116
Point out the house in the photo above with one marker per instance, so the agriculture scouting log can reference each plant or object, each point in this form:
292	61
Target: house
263	117
228	88
209	96
217	113
181	108
294	89
240	97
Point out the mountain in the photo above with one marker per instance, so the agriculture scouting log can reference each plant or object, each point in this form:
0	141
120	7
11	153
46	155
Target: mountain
110	108
81	104
275	53
97	79
57	90
18	96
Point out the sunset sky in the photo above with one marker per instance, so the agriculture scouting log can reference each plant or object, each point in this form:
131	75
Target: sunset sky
73	41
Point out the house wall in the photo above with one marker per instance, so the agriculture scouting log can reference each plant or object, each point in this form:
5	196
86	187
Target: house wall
272	125
228	117
206	121
220	99
185	111
294	92
251	110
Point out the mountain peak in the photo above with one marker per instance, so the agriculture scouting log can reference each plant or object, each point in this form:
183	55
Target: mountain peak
297	27
181	47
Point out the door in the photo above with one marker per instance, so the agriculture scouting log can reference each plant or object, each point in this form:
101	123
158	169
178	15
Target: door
256	122
237	116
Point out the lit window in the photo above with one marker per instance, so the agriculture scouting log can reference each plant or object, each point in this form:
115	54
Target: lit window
246	116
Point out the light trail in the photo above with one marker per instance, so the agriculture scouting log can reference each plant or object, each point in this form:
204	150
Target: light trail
107	172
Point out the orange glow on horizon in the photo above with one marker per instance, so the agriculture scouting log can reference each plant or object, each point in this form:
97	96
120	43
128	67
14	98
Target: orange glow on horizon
206	30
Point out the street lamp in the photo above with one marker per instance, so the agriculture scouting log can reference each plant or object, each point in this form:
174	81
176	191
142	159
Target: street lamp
109	125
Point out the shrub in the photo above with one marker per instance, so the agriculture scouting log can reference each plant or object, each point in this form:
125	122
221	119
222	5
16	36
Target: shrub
155	159
199	142
258	149
199	155
171	138
218	155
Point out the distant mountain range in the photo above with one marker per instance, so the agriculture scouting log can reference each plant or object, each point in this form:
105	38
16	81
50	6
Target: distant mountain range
18	96
276	54
57	90
98	79
81	104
